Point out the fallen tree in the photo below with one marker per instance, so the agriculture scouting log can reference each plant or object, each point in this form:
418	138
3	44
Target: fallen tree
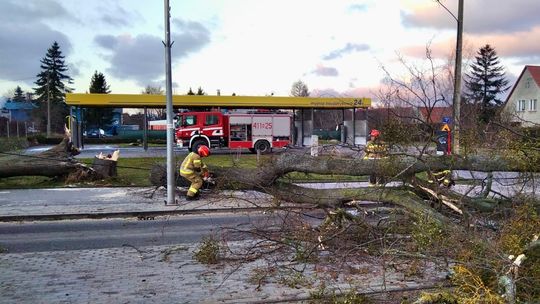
270	178
56	162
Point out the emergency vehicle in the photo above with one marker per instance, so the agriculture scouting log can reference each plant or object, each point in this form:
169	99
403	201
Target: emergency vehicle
256	131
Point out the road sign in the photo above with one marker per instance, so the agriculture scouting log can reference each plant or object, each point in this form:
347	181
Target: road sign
445	128
446	120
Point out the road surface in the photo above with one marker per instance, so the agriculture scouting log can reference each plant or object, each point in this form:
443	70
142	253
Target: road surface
110	233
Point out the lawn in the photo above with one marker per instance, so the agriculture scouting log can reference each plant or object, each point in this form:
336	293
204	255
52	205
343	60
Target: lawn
134	172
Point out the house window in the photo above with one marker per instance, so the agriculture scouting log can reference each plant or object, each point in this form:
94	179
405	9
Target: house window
521	105
532	105
528	83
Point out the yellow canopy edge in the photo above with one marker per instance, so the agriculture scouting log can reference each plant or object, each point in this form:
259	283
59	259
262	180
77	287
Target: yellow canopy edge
181	101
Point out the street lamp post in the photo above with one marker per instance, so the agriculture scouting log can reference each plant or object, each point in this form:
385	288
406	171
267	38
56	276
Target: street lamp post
171	185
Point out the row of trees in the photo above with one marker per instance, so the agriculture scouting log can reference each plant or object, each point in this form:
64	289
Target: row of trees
53	83
484	85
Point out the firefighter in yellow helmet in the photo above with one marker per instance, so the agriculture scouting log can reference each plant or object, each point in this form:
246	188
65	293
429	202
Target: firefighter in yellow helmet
375	149
194	170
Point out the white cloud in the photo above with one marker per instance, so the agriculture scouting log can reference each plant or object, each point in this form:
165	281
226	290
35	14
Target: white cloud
141	57
25	37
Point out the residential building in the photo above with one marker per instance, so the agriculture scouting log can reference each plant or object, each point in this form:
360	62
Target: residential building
523	102
17	111
436	115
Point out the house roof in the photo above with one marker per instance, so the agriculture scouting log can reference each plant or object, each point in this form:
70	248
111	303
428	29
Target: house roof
19	105
534	70
402	112
437	113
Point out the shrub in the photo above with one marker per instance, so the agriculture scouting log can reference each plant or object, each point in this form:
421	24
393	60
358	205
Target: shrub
12	144
208	251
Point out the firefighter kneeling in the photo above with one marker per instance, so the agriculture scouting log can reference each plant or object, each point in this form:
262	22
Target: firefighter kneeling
194	170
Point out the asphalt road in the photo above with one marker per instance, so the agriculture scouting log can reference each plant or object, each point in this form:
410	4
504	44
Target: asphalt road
97	234
90	151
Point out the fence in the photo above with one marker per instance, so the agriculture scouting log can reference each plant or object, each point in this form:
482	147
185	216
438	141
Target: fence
13	128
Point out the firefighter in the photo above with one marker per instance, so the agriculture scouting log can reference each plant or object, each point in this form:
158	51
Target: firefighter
194	170
375	149
443	178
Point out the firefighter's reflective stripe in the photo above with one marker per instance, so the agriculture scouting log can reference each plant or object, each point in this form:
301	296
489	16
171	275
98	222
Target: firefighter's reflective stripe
375	150
182	171
197	163
185	168
192	190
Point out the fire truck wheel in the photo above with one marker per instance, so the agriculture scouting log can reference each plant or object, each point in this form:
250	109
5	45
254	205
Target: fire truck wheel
262	146
196	144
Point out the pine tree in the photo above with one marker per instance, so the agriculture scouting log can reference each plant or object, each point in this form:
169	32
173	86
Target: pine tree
299	89
486	82
98	117
200	91
19	95
190	92
51	89
98	84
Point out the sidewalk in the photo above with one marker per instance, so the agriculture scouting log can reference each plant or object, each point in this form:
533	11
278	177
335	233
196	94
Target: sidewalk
169	274
64	203
73	203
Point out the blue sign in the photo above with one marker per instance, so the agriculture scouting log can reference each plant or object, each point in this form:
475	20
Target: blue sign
446	120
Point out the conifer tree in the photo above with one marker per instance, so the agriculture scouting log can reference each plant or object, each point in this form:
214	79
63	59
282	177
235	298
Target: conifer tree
98	117
486	82
19	95
51	89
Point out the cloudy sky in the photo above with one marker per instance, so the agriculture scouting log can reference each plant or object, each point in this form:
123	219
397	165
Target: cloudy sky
254	47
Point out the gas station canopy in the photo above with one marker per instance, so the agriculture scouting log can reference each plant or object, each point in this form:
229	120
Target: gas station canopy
179	101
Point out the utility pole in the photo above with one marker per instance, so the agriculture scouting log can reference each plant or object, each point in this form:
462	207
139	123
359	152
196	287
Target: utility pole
171	185
457	81
48	105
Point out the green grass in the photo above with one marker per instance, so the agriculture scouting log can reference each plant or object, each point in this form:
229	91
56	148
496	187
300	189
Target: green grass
134	172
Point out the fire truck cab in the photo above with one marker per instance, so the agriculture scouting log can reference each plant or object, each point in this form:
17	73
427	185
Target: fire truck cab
254	131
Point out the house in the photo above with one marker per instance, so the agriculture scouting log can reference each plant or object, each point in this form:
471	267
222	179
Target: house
522	102
377	117
17	111
435	115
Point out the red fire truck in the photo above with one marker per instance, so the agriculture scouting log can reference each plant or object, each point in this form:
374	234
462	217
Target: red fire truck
257	131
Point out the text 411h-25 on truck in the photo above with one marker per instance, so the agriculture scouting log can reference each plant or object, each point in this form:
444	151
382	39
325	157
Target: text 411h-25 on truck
255	131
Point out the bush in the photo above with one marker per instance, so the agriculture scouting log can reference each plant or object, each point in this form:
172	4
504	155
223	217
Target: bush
12	144
208	251
42	139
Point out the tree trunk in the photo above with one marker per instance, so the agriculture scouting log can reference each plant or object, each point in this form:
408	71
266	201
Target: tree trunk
52	163
269	178
55	162
104	167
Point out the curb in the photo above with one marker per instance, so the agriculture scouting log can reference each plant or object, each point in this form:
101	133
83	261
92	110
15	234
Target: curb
143	215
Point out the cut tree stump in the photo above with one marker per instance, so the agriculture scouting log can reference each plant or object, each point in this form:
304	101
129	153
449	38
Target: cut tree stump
105	167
